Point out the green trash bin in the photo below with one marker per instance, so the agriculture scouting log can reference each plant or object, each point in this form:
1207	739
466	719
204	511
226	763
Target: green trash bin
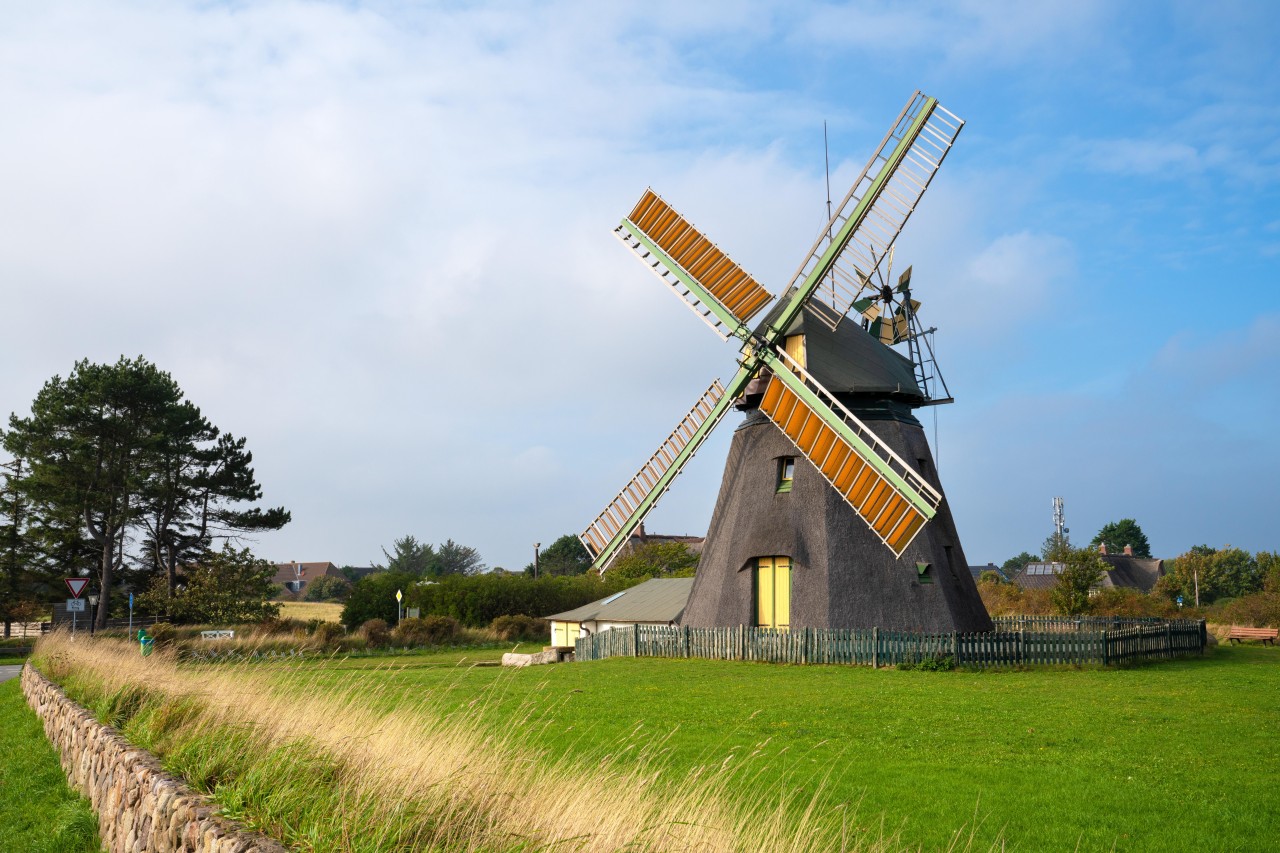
145	641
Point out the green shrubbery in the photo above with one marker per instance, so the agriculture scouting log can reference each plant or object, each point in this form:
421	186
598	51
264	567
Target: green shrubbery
520	628
476	600
376	633
426	631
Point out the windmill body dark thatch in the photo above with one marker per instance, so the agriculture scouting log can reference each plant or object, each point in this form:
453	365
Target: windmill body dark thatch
841	574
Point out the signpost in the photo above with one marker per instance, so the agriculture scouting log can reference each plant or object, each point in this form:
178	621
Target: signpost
399	596
130	614
74	604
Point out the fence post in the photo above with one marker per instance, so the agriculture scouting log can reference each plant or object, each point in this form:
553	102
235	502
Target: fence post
1106	648
1022	651
635	640
955	650
875	647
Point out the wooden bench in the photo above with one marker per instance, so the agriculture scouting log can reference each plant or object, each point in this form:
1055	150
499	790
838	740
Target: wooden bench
1266	635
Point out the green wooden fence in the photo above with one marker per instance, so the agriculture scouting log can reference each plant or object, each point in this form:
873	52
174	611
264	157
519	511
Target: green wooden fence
1141	640
1079	623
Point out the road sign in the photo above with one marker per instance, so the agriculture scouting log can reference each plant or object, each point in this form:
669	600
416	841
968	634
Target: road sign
77	585
75	605
399	596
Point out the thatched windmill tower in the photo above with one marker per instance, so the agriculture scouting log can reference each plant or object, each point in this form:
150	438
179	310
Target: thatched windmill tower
839	573
830	513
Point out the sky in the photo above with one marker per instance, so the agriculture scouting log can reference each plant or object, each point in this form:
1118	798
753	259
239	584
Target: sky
375	240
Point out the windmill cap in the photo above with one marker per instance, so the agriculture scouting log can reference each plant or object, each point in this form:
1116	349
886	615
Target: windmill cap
850	361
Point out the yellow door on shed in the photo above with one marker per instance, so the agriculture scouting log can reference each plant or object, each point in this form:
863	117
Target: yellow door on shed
564	633
773	592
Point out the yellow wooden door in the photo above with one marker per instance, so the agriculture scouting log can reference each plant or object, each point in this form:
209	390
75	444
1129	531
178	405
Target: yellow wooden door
564	633
773	592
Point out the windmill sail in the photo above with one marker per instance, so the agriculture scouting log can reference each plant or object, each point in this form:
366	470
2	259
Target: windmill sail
878	204
611	528
719	291
886	492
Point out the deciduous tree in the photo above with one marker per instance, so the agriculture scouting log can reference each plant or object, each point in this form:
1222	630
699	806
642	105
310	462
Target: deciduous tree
1013	565
226	587
1082	570
565	556
655	560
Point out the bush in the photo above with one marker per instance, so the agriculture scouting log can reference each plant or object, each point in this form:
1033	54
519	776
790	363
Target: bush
1260	610
328	633
376	634
281	626
163	633
427	631
1131	603
327	588
520	628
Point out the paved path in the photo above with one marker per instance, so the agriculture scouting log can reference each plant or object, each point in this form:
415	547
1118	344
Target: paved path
7	672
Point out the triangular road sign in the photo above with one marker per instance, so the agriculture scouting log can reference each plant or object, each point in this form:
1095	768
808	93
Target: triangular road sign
77	585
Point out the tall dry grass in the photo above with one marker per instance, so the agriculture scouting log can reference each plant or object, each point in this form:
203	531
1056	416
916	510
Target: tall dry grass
324	769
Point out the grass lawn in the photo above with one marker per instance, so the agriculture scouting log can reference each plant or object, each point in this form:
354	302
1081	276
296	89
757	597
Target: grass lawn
327	610
38	812
1176	756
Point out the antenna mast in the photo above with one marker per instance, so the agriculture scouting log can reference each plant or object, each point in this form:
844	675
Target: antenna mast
1059	519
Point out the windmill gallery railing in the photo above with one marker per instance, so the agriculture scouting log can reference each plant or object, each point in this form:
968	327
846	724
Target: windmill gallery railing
1086	644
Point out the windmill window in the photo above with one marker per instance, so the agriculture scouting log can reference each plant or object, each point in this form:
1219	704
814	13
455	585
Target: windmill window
786	473
924	573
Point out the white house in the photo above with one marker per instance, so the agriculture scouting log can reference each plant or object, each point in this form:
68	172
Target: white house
659	601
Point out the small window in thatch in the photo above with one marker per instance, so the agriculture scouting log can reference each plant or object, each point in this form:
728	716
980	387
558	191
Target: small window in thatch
924	572
786	473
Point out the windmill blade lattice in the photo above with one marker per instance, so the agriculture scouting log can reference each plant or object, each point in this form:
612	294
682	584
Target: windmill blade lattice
624	513
862	231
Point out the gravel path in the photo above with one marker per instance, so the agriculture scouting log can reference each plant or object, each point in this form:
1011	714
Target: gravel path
8	671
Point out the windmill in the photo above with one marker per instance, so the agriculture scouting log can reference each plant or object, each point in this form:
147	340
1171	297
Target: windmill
810	484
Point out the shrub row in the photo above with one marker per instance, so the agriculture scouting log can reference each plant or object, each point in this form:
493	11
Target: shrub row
474	601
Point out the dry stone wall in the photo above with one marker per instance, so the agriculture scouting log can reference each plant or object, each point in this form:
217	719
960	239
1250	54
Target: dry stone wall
140	807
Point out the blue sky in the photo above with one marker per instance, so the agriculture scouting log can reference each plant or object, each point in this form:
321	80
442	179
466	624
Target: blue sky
375	240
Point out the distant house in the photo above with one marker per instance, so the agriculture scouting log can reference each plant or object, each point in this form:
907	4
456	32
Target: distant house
641	538
355	573
659	601
295	576
977	571
1125	572
1130	572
